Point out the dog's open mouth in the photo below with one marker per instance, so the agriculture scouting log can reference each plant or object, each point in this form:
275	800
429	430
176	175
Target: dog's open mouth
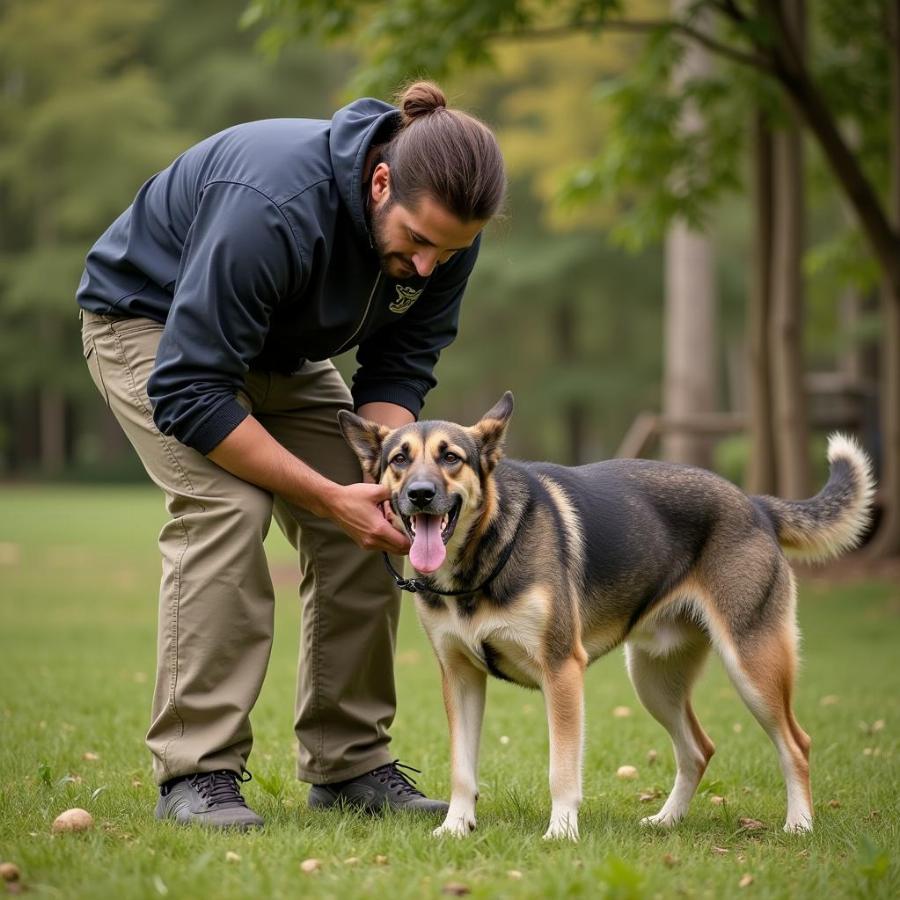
429	534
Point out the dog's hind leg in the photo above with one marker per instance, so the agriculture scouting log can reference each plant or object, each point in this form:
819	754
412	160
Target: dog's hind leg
762	666
663	684
464	691
563	687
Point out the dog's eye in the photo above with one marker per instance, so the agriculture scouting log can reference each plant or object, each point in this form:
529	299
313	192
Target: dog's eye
450	457
398	459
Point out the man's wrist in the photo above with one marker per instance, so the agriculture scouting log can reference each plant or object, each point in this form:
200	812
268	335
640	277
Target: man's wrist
323	500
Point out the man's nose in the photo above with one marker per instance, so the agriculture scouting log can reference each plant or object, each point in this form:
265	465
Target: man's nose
425	261
421	493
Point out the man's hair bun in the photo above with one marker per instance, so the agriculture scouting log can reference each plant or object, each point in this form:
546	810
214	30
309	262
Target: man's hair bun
420	99
451	157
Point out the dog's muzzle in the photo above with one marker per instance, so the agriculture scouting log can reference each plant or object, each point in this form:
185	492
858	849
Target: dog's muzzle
429	517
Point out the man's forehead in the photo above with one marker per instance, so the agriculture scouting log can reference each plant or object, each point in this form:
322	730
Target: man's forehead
439	227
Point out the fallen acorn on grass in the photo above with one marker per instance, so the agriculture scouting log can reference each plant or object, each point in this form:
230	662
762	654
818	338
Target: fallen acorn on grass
9	871
73	820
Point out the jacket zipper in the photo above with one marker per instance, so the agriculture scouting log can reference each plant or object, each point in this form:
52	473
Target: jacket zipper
359	328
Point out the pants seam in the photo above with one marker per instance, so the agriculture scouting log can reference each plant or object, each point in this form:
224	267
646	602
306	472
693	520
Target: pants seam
173	633
317	651
173	624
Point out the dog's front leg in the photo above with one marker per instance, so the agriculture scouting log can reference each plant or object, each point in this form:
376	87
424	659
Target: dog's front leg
464	690
564	696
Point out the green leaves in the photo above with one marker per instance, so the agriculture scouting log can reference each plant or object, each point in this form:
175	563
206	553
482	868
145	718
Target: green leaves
651	169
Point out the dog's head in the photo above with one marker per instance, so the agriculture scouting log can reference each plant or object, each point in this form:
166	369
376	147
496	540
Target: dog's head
437	473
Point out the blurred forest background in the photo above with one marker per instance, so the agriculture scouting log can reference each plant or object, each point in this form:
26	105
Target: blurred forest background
700	258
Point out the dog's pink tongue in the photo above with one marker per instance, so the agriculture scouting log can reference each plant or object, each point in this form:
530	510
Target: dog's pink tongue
428	551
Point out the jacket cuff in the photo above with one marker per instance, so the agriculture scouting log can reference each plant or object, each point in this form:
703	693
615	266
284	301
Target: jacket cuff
398	394
216	427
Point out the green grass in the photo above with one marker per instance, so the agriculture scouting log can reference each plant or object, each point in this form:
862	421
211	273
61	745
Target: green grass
78	574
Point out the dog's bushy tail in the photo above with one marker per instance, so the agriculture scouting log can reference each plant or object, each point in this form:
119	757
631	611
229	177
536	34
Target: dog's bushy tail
836	518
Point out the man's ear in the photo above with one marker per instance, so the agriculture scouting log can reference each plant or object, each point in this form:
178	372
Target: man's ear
381	182
365	438
491	430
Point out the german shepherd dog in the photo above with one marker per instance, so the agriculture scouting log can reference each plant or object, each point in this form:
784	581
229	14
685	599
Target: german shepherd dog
531	571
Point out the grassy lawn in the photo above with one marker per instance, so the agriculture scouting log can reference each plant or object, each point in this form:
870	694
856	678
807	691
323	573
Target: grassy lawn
78	576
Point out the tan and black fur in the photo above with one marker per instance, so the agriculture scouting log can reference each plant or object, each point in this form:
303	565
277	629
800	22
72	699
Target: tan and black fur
669	560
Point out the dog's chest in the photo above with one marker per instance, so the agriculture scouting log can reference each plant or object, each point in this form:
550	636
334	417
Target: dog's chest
506	642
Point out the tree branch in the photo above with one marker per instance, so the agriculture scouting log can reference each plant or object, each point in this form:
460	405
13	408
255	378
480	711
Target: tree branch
645	26
730	9
791	72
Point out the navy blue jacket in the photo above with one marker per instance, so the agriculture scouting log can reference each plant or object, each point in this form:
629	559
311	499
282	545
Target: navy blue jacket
253	249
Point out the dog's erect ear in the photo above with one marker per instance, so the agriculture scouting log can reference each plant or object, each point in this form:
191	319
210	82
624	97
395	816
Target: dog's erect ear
365	438
491	430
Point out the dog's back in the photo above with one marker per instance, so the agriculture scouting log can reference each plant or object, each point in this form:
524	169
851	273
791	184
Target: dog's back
645	527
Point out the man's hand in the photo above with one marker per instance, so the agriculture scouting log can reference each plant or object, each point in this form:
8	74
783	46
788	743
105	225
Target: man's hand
357	508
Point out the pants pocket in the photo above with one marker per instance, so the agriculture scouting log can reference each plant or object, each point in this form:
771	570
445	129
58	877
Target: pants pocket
93	364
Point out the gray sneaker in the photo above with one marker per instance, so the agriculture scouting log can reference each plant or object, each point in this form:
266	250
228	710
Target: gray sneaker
383	787
207	798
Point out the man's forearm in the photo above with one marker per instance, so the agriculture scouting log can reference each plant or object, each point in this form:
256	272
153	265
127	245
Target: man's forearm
251	453
388	414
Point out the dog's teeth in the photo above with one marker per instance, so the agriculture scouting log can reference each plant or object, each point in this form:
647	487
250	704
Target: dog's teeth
445	521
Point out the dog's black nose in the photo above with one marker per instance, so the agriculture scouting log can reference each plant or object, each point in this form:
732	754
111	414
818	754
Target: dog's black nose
421	493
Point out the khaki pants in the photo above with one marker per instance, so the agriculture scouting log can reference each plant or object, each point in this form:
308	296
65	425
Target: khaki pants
216	600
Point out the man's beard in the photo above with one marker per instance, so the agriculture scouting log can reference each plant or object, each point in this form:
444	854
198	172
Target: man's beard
394	265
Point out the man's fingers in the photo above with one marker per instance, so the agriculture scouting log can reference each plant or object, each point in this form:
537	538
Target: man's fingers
397	542
377	492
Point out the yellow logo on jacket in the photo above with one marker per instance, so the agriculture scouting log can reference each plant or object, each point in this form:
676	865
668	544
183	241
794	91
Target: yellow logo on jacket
406	296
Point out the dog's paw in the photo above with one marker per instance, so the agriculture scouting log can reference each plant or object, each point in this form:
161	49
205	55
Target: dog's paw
802	826
562	830
661	820
455	826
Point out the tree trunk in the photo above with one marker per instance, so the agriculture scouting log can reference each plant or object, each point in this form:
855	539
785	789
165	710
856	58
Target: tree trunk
761	472
791	73
887	539
857	360
787	372
51	408
52	412
574	413
689	384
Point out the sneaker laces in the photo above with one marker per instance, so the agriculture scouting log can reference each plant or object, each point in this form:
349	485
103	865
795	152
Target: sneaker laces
396	780
220	788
